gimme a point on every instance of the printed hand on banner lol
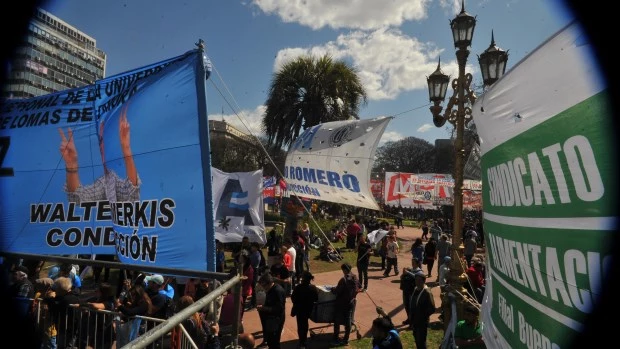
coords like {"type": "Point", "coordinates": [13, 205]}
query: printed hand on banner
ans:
{"type": "Point", "coordinates": [123, 131]}
{"type": "Point", "coordinates": [67, 149]}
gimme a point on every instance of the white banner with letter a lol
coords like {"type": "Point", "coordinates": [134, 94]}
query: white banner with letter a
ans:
{"type": "Point", "coordinates": [332, 162]}
{"type": "Point", "coordinates": [238, 202]}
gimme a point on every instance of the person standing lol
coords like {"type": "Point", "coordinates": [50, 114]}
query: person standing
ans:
{"type": "Point", "coordinates": [424, 230]}
{"type": "Point", "coordinates": [470, 249]}
{"type": "Point", "coordinates": [421, 307]}
{"type": "Point", "coordinates": [407, 284]}
{"type": "Point", "coordinates": [436, 230]}
{"type": "Point", "coordinates": [444, 248]}
{"type": "Point", "coordinates": [392, 256]}
{"type": "Point", "coordinates": [364, 251]}
{"type": "Point", "coordinates": [21, 286]}
{"type": "Point", "coordinates": [468, 332]}
{"type": "Point", "coordinates": [247, 285]}
{"type": "Point", "coordinates": [274, 243]}
{"type": "Point", "coordinates": [346, 292]}
{"type": "Point", "coordinates": [256, 260]}
{"type": "Point", "coordinates": [272, 311]}
{"type": "Point", "coordinates": [417, 250]}
{"type": "Point", "coordinates": [444, 268]}
{"type": "Point", "coordinates": [220, 266]}
{"type": "Point", "coordinates": [353, 229]}
{"type": "Point", "coordinates": [304, 296]}
{"type": "Point", "coordinates": [292, 253]}
{"type": "Point", "coordinates": [280, 274]}
{"type": "Point", "coordinates": [306, 235]}
{"type": "Point", "coordinates": [430, 253]}
{"type": "Point", "coordinates": [477, 283]}
{"type": "Point", "coordinates": [300, 255]}
{"type": "Point", "coordinates": [59, 300]}
{"type": "Point", "coordinates": [399, 220]}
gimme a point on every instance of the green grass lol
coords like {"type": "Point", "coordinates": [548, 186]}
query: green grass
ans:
{"type": "Point", "coordinates": [319, 266]}
{"type": "Point", "coordinates": [433, 340]}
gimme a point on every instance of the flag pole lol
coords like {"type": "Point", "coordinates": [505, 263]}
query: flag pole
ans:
{"type": "Point", "coordinates": [203, 73]}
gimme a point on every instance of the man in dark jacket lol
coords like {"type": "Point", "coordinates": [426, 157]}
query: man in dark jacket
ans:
{"type": "Point", "coordinates": [304, 296]}
{"type": "Point", "coordinates": [272, 312]}
{"type": "Point", "coordinates": [407, 284]}
{"type": "Point", "coordinates": [346, 291]}
{"type": "Point", "coordinates": [421, 307]}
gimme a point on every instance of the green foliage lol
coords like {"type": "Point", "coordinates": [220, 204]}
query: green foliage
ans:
{"type": "Point", "coordinates": [272, 217]}
{"type": "Point", "coordinates": [308, 91]}
{"type": "Point", "coordinates": [324, 225]}
{"type": "Point", "coordinates": [433, 340]}
{"type": "Point", "coordinates": [420, 156]}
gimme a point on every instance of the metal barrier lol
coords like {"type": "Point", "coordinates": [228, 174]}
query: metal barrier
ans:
{"type": "Point", "coordinates": [84, 327]}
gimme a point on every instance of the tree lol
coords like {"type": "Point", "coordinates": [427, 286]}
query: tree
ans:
{"type": "Point", "coordinates": [307, 92]}
{"type": "Point", "coordinates": [411, 154]}
{"type": "Point", "coordinates": [230, 155]}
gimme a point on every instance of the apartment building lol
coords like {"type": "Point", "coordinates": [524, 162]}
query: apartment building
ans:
{"type": "Point", "coordinates": [54, 56]}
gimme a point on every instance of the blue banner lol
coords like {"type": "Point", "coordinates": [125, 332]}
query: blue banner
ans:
{"type": "Point", "coordinates": [117, 167]}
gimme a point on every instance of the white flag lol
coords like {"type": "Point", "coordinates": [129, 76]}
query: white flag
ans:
{"type": "Point", "coordinates": [332, 162]}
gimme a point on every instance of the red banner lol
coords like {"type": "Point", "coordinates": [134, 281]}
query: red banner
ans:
{"type": "Point", "coordinates": [269, 192]}
{"type": "Point", "coordinates": [376, 187]}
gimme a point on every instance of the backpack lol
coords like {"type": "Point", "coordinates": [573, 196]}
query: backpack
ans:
{"type": "Point", "coordinates": [169, 305]}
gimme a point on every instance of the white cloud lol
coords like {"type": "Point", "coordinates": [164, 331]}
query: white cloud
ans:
{"type": "Point", "coordinates": [247, 121]}
{"type": "Point", "coordinates": [357, 14]}
{"type": "Point", "coordinates": [451, 7]}
{"type": "Point", "coordinates": [388, 61]}
{"type": "Point", "coordinates": [425, 128]}
{"type": "Point", "coordinates": [390, 136]}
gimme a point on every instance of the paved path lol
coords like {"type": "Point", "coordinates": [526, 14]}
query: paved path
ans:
{"type": "Point", "coordinates": [384, 292]}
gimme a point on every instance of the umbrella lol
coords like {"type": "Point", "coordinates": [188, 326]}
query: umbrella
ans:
{"type": "Point", "coordinates": [376, 235]}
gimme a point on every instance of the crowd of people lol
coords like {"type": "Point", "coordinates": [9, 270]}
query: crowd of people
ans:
{"type": "Point", "coordinates": [283, 274]}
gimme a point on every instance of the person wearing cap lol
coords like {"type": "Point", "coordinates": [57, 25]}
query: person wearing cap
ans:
{"type": "Point", "coordinates": [155, 288]}
{"type": "Point", "coordinates": [421, 307]}
{"type": "Point", "coordinates": [304, 296]}
{"type": "Point", "coordinates": [21, 287]}
{"type": "Point", "coordinates": [468, 332]}
{"type": "Point", "coordinates": [407, 284]}
{"type": "Point", "coordinates": [346, 292]}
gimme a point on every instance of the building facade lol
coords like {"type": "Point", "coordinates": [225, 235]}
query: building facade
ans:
{"type": "Point", "coordinates": [55, 56]}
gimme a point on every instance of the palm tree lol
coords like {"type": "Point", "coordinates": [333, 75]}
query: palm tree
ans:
{"type": "Point", "coordinates": [309, 91]}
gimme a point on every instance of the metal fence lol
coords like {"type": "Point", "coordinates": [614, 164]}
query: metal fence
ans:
{"type": "Point", "coordinates": [75, 326]}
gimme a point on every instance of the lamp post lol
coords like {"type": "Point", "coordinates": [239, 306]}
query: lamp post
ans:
{"type": "Point", "coordinates": [458, 113]}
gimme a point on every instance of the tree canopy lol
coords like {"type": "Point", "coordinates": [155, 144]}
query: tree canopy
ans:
{"type": "Point", "coordinates": [309, 91]}
{"type": "Point", "coordinates": [411, 154]}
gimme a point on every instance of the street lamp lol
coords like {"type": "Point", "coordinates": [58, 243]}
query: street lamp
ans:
{"type": "Point", "coordinates": [458, 113]}
{"type": "Point", "coordinates": [492, 62]}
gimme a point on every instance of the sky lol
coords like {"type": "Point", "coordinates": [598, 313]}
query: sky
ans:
{"type": "Point", "coordinates": [393, 44]}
